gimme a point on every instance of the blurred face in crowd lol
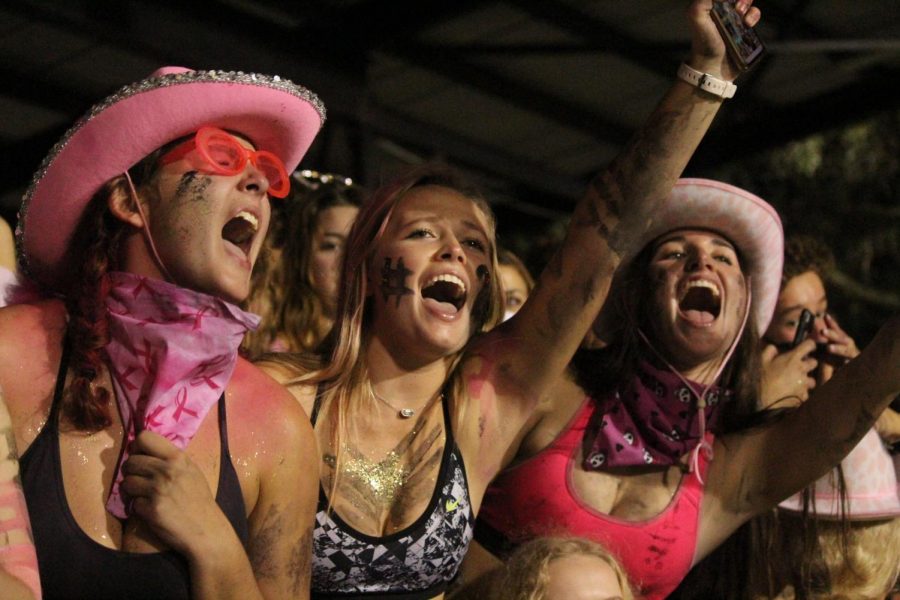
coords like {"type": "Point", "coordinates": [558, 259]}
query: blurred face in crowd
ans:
{"type": "Point", "coordinates": [329, 238]}
{"type": "Point", "coordinates": [515, 290]}
{"type": "Point", "coordinates": [582, 577]}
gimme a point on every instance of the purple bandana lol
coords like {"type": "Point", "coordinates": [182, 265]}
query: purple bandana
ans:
{"type": "Point", "coordinates": [651, 420]}
{"type": "Point", "coordinates": [171, 353]}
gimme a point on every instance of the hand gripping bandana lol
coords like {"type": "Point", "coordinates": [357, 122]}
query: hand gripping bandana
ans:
{"type": "Point", "coordinates": [652, 419]}
{"type": "Point", "coordinates": [171, 353]}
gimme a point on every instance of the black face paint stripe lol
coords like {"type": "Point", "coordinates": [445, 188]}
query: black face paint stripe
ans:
{"type": "Point", "coordinates": [393, 279]}
{"type": "Point", "coordinates": [483, 272]}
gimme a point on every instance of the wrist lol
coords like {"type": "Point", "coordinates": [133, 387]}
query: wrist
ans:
{"type": "Point", "coordinates": [707, 82]}
{"type": "Point", "coordinates": [212, 543]}
{"type": "Point", "coordinates": [707, 64]}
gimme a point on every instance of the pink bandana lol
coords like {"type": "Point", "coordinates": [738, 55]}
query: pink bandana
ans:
{"type": "Point", "coordinates": [651, 420]}
{"type": "Point", "coordinates": [171, 353]}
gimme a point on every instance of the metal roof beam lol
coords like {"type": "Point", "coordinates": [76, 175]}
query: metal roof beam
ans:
{"type": "Point", "coordinates": [514, 92]}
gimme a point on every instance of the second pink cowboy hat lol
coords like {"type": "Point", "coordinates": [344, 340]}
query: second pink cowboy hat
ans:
{"type": "Point", "coordinates": [872, 490]}
{"type": "Point", "coordinates": [274, 113]}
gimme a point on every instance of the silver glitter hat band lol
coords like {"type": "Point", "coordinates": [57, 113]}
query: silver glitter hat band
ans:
{"type": "Point", "coordinates": [118, 132]}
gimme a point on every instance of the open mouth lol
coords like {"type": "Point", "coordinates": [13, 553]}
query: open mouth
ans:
{"type": "Point", "coordinates": [700, 301]}
{"type": "Point", "coordinates": [448, 291]}
{"type": "Point", "coordinates": [240, 230]}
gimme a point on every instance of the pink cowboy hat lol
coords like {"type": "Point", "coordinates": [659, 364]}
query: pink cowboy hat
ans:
{"type": "Point", "coordinates": [870, 476]}
{"type": "Point", "coordinates": [274, 113]}
{"type": "Point", "coordinates": [743, 218]}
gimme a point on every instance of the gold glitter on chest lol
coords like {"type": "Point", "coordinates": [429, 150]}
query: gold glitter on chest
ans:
{"type": "Point", "coordinates": [373, 486]}
{"type": "Point", "coordinates": [382, 479]}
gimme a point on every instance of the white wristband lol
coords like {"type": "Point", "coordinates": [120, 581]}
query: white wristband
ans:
{"type": "Point", "coordinates": [706, 82]}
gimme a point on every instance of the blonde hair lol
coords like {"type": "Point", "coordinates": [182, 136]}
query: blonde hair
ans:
{"type": "Point", "coordinates": [866, 566]}
{"type": "Point", "coordinates": [526, 575]}
{"type": "Point", "coordinates": [344, 373]}
{"type": "Point", "coordinates": [871, 563]}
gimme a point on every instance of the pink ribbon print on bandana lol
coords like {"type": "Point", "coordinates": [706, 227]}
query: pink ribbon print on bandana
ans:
{"type": "Point", "coordinates": [171, 353]}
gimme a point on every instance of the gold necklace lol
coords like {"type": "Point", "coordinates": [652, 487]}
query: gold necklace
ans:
{"type": "Point", "coordinates": [403, 413]}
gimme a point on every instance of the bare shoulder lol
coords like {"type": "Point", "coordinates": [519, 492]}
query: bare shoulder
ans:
{"type": "Point", "coordinates": [31, 328]}
{"type": "Point", "coordinates": [280, 371]}
{"type": "Point", "coordinates": [31, 337]}
{"type": "Point", "coordinates": [285, 373]}
{"type": "Point", "coordinates": [259, 403]}
{"type": "Point", "coordinates": [270, 436]}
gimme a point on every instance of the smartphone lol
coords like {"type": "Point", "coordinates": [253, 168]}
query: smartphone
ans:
{"type": "Point", "coordinates": [804, 326]}
{"type": "Point", "coordinates": [744, 46]}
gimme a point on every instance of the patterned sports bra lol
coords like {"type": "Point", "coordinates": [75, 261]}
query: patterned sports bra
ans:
{"type": "Point", "coordinates": [417, 562]}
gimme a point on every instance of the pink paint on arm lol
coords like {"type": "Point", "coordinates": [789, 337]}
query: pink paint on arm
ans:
{"type": "Point", "coordinates": [481, 390]}
{"type": "Point", "coordinates": [475, 382]}
{"type": "Point", "coordinates": [17, 555]}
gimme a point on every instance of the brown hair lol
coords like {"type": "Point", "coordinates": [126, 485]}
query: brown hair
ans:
{"type": "Point", "coordinates": [753, 560]}
{"type": "Point", "coordinates": [804, 253]}
{"type": "Point", "coordinates": [598, 371]}
{"type": "Point", "coordinates": [97, 242]}
{"type": "Point", "coordinates": [526, 576]}
{"type": "Point", "coordinates": [726, 572]}
{"type": "Point", "coordinates": [282, 292]}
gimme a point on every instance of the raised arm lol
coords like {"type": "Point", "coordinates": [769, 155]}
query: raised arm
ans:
{"type": "Point", "coordinates": [535, 346]}
{"type": "Point", "coordinates": [18, 560]}
{"type": "Point", "coordinates": [758, 468]}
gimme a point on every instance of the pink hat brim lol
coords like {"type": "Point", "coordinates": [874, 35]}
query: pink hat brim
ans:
{"type": "Point", "coordinates": [748, 221]}
{"type": "Point", "coordinates": [870, 476]}
{"type": "Point", "coordinates": [273, 113]}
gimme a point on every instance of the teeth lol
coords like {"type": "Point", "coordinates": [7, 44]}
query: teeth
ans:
{"type": "Point", "coordinates": [449, 279]}
{"type": "Point", "coordinates": [250, 218]}
{"type": "Point", "coordinates": [701, 283]}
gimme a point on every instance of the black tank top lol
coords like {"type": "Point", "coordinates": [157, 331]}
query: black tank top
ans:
{"type": "Point", "coordinates": [71, 564]}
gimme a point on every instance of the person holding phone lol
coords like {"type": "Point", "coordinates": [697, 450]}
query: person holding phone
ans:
{"type": "Point", "coordinates": [803, 353]}
{"type": "Point", "coordinates": [855, 547]}
{"type": "Point", "coordinates": [790, 369]}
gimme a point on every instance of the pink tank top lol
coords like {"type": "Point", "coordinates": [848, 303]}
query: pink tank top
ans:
{"type": "Point", "coordinates": [536, 498]}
